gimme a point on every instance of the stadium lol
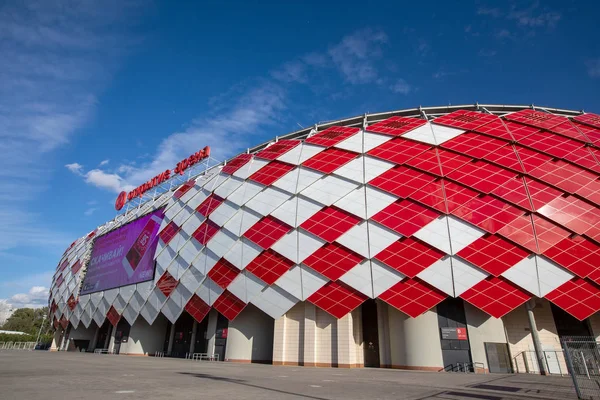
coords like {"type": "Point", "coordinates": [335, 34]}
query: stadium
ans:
{"type": "Point", "coordinates": [431, 238]}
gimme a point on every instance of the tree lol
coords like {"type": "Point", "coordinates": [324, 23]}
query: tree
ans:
{"type": "Point", "coordinates": [28, 320]}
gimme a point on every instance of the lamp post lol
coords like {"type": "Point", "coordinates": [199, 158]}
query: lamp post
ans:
{"type": "Point", "coordinates": [37, 341]}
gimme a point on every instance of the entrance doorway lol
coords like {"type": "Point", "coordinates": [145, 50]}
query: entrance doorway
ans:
{"type": "Point", "coordinates": [370, 334]}
{"type": "Point", "coordinates": [103, 334]}
{"type": "Point", "coordinates": [183, 335]}
{"type": "Point", "coordinates": [221, 337]}
{"type": "Point", "coordinates": [452, 321]}
{"type": "Point", "coordinates": [121, 334]}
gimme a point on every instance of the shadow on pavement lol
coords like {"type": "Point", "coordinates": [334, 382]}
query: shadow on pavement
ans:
{"type": "Point", "coordinates": [244, 383]}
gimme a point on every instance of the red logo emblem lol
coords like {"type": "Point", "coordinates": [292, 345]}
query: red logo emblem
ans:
{"type": "Point", "coordinates": [121, 200]}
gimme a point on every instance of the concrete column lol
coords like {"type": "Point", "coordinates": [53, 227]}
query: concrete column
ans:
{"type": "Point", "coordinates": [171, 339]}
{"type": "Point", "coordinates": [348, 340]}
{"type": "Point", "coordinates": [64, 341]}
{"type": "Point", "coordinates": [108, 335]}
{"type": "Point", "coordinates": [537, 344]}
{"type": "Point", "coordinates": [193, 340]}
{"type": "Point", "coordinates": [415, 342]}
{"type": "Point", "coordinates": [310, 334]}
{"type": "Point", "coordinates": [211, 330]}
{"type": "Point", "coordinates": [55, 346]}
{"type": "Point", "coordinates": [279, 341]}
{"type": "Point", "coordinates": [94, 339]}
{"type": "Point", "coordinates": [383, 330]}
{"type": "Point", "coordinates": [113, 338]}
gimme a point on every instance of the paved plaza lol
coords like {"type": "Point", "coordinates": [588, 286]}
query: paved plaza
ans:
{"type": "Point", "coordinates": [44, 375]}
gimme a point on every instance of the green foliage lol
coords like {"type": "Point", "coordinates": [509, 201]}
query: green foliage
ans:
{"type": "Point", "coordinates": [28, 320]}
{"type": "Point", "coordinates": [45, 339]}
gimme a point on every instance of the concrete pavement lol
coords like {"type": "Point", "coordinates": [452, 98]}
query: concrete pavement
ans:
{"type": "Point", "coordinates": [44, 375]}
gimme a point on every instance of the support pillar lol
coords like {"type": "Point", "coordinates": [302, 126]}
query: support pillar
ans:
{"type": "Point", "coordinates": [279, 341]}
{"type": "Point", "coordinates": [310, 334]}
{"type": "Point", "coordinates": [94, 339]}
{"type": "Point", "coordinates": [211, 330]}
{"type": "Point", "coordinates": [383, 330]}
{"type": "Point", "coordinates": [63, 346]}
{"type": "Point", "coordinates": [193, 339]}
{"type": "Point", "coordinates": [537, 344]}
{"type": "Point", "coordinates": [108, 335]}
{"type": "Point", "coordinates": [171, 340]}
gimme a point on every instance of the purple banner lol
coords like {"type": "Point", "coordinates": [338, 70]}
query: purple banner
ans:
{"type": "Point", "coordinates": [125, 256]}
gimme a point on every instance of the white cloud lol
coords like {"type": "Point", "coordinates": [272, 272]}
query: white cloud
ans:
{"type": "Point", "coordinates": [530, 18]}
{"type": "Point", "coordinates": [36, 297]}
{"type": "Point", "coordinates": [494, 12]}
{"type": "Point", "coordinates": [89, 211]}
{"type": "Point", "coordinates": [593, 68]}
{"type": "Point", "coordinates": [56, 58]}
{"type": "Point", "coordinates": [401, 86]}
{"type": "Point", "coordinates": [75, 168]}
{"type": "Point", "coordinates": [294, 71]}
{"type": "Point", "coordinates": [354, 55]}
{"type": "Point", "coordinates": [104, 162]}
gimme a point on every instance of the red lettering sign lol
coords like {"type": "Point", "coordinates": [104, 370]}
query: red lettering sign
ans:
{"type": "Point", "coordinates": [180, 168]}
{"type": "Point", "coordinates": [461, 333]}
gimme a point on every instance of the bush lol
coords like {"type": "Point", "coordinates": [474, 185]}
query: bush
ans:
{"type": "Point", "coordinates": [7, 337]}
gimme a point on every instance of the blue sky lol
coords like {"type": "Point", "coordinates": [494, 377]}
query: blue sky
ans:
{"type": "Point", "coordinates": [94, 100]}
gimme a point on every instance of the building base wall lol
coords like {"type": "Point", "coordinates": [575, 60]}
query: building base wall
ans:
{"type": "Point", "coordinates": [250, 337]}
{"type": "Point", "coordinates": [145, 339]}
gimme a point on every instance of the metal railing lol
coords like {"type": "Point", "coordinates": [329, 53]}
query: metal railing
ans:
{"type": "Point", "coordinates": [17, 345]}
{"type": "Point", "coordinates": [466, 367]}
{"type": "Point", "coordinates": [583, 360]}
{"type": "Point", "coordinates": [159, 354]}
{"type": "Point", "coordinates": [527, 362]}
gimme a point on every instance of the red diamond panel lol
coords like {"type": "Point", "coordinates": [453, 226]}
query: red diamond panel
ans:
{"type": "Point", "coordinates": [269, 266]}
{"type": "Point", "coordinates": [493, 254]}
{"type": "Point", "coordinates": [589, 119]}
{"type": "Point", "coordinates": [540, 193]}
{"type": "Point", "coordinates": [396, 126]}
{"type": "Point", "coordinates": [593, 134]}
{"type": "Point", "coordinates": [496, 296]}
{"type": "Point", "coordinates": [547, 233]}
{"type": "Point", "coordinates": [438, 161]}
{"type": "Point", "coordinates": [433, 195]}
{"type": "Point", "coordinates": [333, 260]}
{"type": "Point", "coordinates": [60, 280]}
{"type": "Point", "coordinates": [412, 296]}
{"type": "Point", "coordinates": [575, 214]}
{"type": "Point", "coordinates": [267, 231]}
{"type": "Point", "coordinates": [488, 213]}
{"type": "Point", "coordinates": [587, 157]}
{"type": "Point", "coordinates": [277, 149]}
{"type": "Point", "coordinates": [538, 119]}
{"type": "Point", "coordinates": [591, 192]}
{"type": "Point", "coordinates": [520, 231]}
{"type": "Point", "coordinates": [474, 144]}
{"type": "Point", "coordinates": [229, 305]}
{"type": "Point", "coordinates": [197, 308]}
{"type": "Point", "coordinates": [209, 204]}
{"type": "Point", "coordinates": [72, 303]}
{"type": "Point", "coordinates": [337, 299]}
{"type": "Point", "coordinates": [564, 175]}
{"type": "Point", "coordinates": [409, 256]}
{"type": "Point", "coordinates": [205, 232]}
{"type": "Point", "coordinates": [329, 160]}
{"type": "Point", "coordinates": [572, 130]}
{"type": "Point", "coordinates": [168, 232]}
{"type": "Point", "coordinates": [506, 130]}
{"type": "Point", "coordinates": [76, 267]}
{"type": "Point", "coordinates": [236, 163]}
{"type": "Point", "coordinates": [578, 297]}
{"type": "Point", "coordinates": [64, 265]}
{"type": "Point", "coordinates": [578, 255]}
{"type": "Point", "coordinates": [555, 145]}
{"type": "Point", "coordinates": [402, 181]}
{"type": "Point", "coordinates": [330, 223]}
{"type": "Point", "coordinates": [64, 322]}
{"type": "Point", "coordinates": [183, 189]}
{"type": "Point", "coordinates": [480, 175]}
{"type": "Point", "coordinates": [271, 172]}
{"type": "Point", "coordinates": [405, 217]}
{"type": "Point", "coordinates": [398, 150]}
{"type": "Point", "coordinates": [223, 273]}
{"type": "Point", "coordinates": [465, 120]}
{"type": "Point", "coordinates": [520, 159]}
{"type": "Point", "coordinates": [332, 136]}
{"type": "Point", "coordinates": [113, 316]}
{"type": "Point", "coordinates": [166, 284]}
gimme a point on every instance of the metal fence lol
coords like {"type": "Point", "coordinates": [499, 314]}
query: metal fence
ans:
{"type": "Point", "coordinates": [17, 345]}
{"type": "Point", "coordinates": [583, 360]}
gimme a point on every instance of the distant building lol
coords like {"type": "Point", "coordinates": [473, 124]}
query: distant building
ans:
{"type": "Point", "coordinates": [13, 332]}
{"type": "Point", "coordinates": [6, 310]}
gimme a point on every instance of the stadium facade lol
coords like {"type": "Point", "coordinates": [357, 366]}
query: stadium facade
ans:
{"type": "Point", "coordinates": [419, 239]}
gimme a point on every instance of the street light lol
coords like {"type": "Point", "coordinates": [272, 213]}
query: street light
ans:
{"type": "Point", "coordinates": [37, 341]}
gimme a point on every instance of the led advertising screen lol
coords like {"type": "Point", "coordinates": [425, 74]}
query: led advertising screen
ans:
{"type": "Point", "coordinates": [124, 256]}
